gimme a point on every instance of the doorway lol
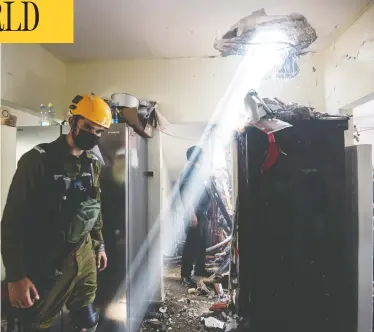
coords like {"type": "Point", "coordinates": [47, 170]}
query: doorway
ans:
{"type": "Point", "coordinates": [217, 165]}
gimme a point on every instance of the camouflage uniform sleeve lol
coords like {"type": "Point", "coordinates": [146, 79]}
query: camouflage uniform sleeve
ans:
{"type": "Point", "coordinates": [25, 184]}
{"type": "Point", "coordinates": [96, 233]}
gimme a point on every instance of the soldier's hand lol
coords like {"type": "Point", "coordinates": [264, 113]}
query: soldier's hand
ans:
{"type": "Point", "coordinates": [22, 293]}
{"type": "Point", "coordinates": [101, 260]}
{"type": "Point", "coordinates": [193, 221]}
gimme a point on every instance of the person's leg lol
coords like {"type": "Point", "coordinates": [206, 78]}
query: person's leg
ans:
{"type": "Point", "coordinates": [188, 258]}
{"type": "Point", "coordinates": [41, 316]}
{"type": "Point", "coordinates": [201, 248]}
{"type": "Point", "coordinates": [82, 312]}
{"type": "Point", "coordinates": [85, 319]}
{"type": "Point", "coordinates": [189, 252]}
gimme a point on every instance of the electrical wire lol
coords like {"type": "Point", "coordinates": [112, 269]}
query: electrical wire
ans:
{"type": "Point", "coordinates": [365, 129]}
{"type": "Point", "coordinates": [178, 137]}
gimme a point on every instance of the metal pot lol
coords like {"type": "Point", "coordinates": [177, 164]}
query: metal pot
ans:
{"type": "Point", "coordinates": [125, 100]}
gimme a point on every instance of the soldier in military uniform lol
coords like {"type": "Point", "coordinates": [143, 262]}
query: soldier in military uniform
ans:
{"type": "Point", "coordinates": [51, 231]}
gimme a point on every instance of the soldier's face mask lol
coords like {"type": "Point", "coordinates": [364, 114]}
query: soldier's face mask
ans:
{"type": "Point", "coordinates": [85, 140]}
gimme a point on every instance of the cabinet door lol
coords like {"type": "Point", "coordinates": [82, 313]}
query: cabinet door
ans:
{"type": "Point", "coordinates": [139, 278]}
{"type": "Point", "coordinates": [296, 241]}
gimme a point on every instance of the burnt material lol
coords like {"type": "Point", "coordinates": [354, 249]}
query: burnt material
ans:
{"type": "Point", "coordinates": [295, 242]}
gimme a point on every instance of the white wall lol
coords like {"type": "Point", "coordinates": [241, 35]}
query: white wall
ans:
{"type": "Point", "coordinates": [349, 65]}
{"type": "Point", "coordinates": [7, 168]}
{"type": "Point", "coordinates": [31, 76]}
{"type": "Point", "coordinates": [363, 118]}
{"type": "Point", "coordinates": [187, 89]}
{"type": "Point", "coordinates": [8, 161]}
{"type": "Point", "coordinates": [165, 178]}
{"type": "Point", "coordinates": [176, 139]}
{"type": "Point", "coordinates": [25, 119]}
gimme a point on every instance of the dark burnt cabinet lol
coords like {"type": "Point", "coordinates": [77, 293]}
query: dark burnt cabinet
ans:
{"type": "Point", "coordinates": [297, 247]}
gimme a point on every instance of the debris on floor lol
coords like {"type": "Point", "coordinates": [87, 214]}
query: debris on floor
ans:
{"type": "Point", "coordinates": [192, 291]}
{"type": "Point", "coordinates": [155, 323]}
{"type": "Point", "coordinates": [218, 306]}
{"type": "Point", "coordinates": [231, 324]}
{"type": "Point", "coordinates": [163, 310]}
{"type": "Point", "coordinates": [219, 290]}
{"type": "Point", "coordinates": [156, 315]}
{"type": "Point", "coordinates": [202, 288]}
{"type": "Point", "coordinates": [213, 323]}
{"type": "Point", "coordinates": [190, 310]}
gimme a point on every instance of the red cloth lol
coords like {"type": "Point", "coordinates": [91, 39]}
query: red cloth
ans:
{"type": "Point", "coordinates": [272, 154]}
{"type": "Point", "coordinates": [218, 306]}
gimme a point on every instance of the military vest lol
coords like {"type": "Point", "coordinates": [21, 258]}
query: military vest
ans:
{"type": "Point", "coordinates": [72, 194]}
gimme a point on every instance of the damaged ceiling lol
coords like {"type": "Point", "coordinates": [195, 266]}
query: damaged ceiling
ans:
{"type": "Point", "coordinates": [118, 29]}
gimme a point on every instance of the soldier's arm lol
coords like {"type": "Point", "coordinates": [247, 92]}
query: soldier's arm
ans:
{"type": "Point", "coordinates": [23, 188]}
{"type": "Point", "coordinates": [96, 233]}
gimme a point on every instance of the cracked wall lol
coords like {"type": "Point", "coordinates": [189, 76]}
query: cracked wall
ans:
{"type": "Point", "coordinates": [189, 89]}
{"type": "Point", "coordinates": [349, 64]}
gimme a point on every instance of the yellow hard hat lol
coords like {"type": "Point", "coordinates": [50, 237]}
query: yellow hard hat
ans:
{"type": "Point", "coordinates": [92, 108]}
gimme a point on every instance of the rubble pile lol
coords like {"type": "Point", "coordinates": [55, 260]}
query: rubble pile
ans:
{"type": "Point", "coordinates": [206, 308]}
{"type": "Point", "coordinates": [294, 111]}
{"type": "Point", "coordinates": [176, 314]}
{"type": "Point", "coordinates": [185, 314]}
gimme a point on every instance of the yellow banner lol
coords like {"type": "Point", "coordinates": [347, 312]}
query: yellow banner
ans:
{"type": "Point", "coordinates": [37, 21]}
